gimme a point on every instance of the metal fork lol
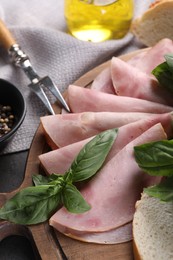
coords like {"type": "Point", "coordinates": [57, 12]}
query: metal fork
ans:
{"type": "Point", "coordinates": [21, 60]}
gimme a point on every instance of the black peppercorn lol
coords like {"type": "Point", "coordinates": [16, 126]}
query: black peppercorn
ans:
{"type": "Point", "coordinates": [6, 119]}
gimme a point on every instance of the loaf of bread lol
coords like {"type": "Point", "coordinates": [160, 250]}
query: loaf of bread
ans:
{"type": "Point", "coordinates": [153, 229]}
{"type": "Point", "coordinates": [155, 24]}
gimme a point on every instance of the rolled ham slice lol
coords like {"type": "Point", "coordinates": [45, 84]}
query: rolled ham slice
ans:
{"type": "Point", "coordinates": [82, 100]}
{"type": "Point", "coordinates": [63, 129]}
{"type": "Point", "coordinates": [131, 82]}
{"type": "Point", "coordinates": [112, 193]}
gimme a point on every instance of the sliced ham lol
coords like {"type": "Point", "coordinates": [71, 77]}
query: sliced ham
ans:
{"type": "Point", "coordinates": [82, 100]}
{"type": "Point", "coordinates": [153, 57]}
{"type": "Point", "coordinates": [63, 129]}
{"type": "Point", "coordinates": [103, 82]}
{"type": "Point", "coordinates": [112, 193]}
{"type": "Point", "coordinates": [114, 236]}
{"type": "Point", "coordinates": [131, 82]}
{"type": "Point", "coordinates": [59, 160]}
{"type": "Point", "coordinates": [144, 61]}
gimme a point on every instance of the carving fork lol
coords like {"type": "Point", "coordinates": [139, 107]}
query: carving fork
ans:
{"type": "Point", "coordinates": [21, 60]}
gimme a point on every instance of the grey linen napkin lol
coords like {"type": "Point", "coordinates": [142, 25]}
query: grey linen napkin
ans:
{"type": "Point", "coordinates": [39, 28]}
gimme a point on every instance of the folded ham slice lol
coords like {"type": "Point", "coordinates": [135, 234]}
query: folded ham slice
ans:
{"type": "Point", "coordinates": [59, 160]}
{"type": "Point", "coordinates": [82, 100]}
{"type": "Point", "coordinates": [103, 82]}
{"type": "Point", "coordinates": [114, 236]}
{"type": "Point", "coordinates": [63, 129]}
{"type": "Point", "coordinates": [112, 193]}
{"type": "Point", "coordinates": [148, 60]}
{"type": "Point", "coordinates": [145, 61]}
{"type": "Point", "coordinates": [137, 84]}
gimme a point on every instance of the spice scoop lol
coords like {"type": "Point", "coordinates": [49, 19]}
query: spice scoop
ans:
{"type": "Point", "coordinates": [20, 59]}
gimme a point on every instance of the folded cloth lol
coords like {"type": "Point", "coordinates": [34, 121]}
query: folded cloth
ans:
{"type": "Point", "coordinates": [39, 28]}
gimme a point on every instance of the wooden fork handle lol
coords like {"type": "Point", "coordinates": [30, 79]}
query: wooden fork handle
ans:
{"type": "Point", "coordinates": [6, 38]}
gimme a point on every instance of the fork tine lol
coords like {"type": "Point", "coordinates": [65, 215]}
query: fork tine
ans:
{"type": "Point", "coordinates": [48, 83]}
{"type": "Point", "coordinates": [41, 94]}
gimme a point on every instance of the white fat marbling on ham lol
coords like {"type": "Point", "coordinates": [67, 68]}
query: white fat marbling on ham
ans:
{"type": "Point", "coordinates": [63, 129]}
{"type": "Point", "coordinates": [59, 160]}
{"type": "Point", "coordinates": [131, 82]}
{"type": "Point", "coordinates": [82, 100]}
{"type": "Point", "coordinates": [112, 193]}
{"type": "Point", "coordinates": [154, 56]}
{"type": "Point", "coordinates": [103, 82]}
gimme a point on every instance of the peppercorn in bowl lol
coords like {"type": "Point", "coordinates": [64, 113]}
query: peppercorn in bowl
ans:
{"type": "Point", "coordinates": [12, 111]}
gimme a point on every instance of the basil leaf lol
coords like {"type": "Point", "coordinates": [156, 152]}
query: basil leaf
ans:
{"type": "Point", "coordinates": [32, 205]}
{"type": "Point", "coordinates": [164, 75]}
{"type": "Point", "coordinates": [92, 156]}
{"type": "Point", "coordinates": [73, 200]}
{"type": "Point", "coordinates": [68, 176]}
{"type": "Point", "coordinates": [164, 72]}
{"type": "Point", "coordinates": [163, 191]}
{"type": "Point", "coordinates": [36, 204]}
{"type": "Point", "coordinates": [39, 179]}
{"type": "Point", "coordinates": [155, 158]}
{"type": "Point", "coordinates": [169, 61]}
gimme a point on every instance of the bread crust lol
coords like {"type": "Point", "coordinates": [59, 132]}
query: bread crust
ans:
{"type": "Point", "coordinates": [135, 251]}
{"type": "Point", "coordinates": [152, 229]}
{"type": "Point", "coordinates": [155, 24]}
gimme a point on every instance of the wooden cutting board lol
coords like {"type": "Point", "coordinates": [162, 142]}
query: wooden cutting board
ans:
{"type": "Point", "coordinates": [48, 243]}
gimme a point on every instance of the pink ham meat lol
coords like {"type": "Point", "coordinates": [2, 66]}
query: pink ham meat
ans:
{"type": "Point", "coordinates": [130, 81]}
{"type": "Point", "coordinates": [144, 61]}
{"type": "Point", "coordinates": [63, 129]}
{"type": "Point", "coordinates": [82, 100]}
{"type": "Point", "coordinates": [153, 57]}
{"type": "Point", "coordinates": [114, 236]}
{"type": "Point", "coordinates": [103, 82]}
{"type": "Point", "coordinates": [121, 185]}
{"type": "Point", "coordinates": [59, 160]}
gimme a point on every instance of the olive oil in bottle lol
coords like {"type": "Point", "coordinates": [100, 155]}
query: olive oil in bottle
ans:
{"type": "Point", "coordinates": [98, 20]}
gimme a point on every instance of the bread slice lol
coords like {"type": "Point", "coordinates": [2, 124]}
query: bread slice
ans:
{"type": "Point", "coordinates": [155, 24]}
{"type": "Point", "coordinates": [153, 229]}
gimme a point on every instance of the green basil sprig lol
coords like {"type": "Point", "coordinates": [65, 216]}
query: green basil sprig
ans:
{"type": "Point", "coordinates": [164, 72]}
{"type": "Point", "coordinates": [163, 191]}
{"type": "Point", "coordinates": [156, 159]}
{"type": "Point", "coordinates": [36, 204]}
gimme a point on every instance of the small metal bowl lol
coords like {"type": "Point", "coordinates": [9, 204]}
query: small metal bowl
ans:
{"type": "Point", "coordinates": [10, 95]}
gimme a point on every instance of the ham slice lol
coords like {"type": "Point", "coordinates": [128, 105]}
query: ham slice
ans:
{"type": "Point", "coordinates": [145, 61]}
{"type": "Point", "coordinates": [59, 160]}
{"type": "Point", "coordinates": [120, 182]}
{"type": "Point", "coordinates": [103, 82]}
{"type": "Point", "coordinates": [130, 81]}
{"type": "Point", "coordinates": [82, 100]}
{"type": "Point", "coordinates": [153, 57]}
{"type": "Point", "coordinates": [63, 129]}
{"type": "Point", "coordinates": [115, 236]}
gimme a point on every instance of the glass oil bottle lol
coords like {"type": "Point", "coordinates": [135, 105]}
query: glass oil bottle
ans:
{"type": "Point", "coordinates": [98, 20]}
